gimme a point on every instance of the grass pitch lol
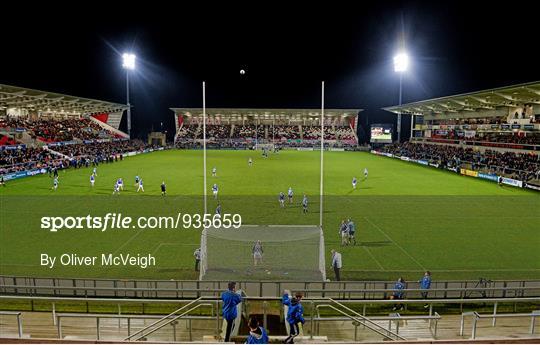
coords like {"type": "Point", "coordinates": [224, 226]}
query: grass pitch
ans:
{"type": "Point", "coordinates": [409, 218]}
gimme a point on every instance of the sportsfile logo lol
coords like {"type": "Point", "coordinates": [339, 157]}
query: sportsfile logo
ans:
{"type": "Point", "coordinates": [114, 221]}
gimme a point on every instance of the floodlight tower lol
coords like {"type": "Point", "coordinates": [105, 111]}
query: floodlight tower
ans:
{"type": "Point", "coordinates": [401, 63]}
{"type": "Point", "coordinates": [128, 62]}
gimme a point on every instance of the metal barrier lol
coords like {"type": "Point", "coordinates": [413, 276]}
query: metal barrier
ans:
{"type": "Point", "coordinates": [394, 317]}
{"type": "Point", "coordinates": [98, 317]}
{"type": "Point", "coordinates": [351, 293]}
{"type": "Point", "coordinates": [190, 289]}
{"type": "Point", "coordinates": [494, 316]}
{"type": "Point", "coordinates": [349, 313]}
{"type": "Point", "coordinates": [19, 321]}
{"type": "Point", "coordinates": [360, 319]}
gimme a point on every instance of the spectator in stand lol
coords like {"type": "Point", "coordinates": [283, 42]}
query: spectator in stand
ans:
{"type": "Point", "coordinates": [398, 293]}
{"type": "Point", "coordinates": [230, 300]}
{"type": "Point", "coordinates": [257, 334]}
{"type": "Point", "coordinates": [425, 285]}
{"type": "Point", "coordinates": [295, 314]}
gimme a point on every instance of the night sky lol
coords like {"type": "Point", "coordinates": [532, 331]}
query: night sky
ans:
{"type": "Point", "coordinates": [287, 51]}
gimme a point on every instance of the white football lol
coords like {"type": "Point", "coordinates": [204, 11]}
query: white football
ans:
{"type": "Point", "coordinates": [242, 72]}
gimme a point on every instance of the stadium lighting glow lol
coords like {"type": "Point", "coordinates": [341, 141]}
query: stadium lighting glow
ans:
{"type": "Point", "coordinates": [401, 62]}
{"type": "Point", "coordinates": [128, 61]}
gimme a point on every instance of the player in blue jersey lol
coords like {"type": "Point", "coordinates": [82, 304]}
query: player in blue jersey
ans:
{"type": "Point", "coordinates": [354, 182]}
{"type": "Point", "coordinates": [120, 183]}
{"type": "Point", "coordinates": [141, 187]}
{"type": "Point", "coordinates": [344, 233]}
{"type": "Point", "coordinates": [116, 189]}
{"type": "Point", "coordinates": [218, 210]}
{"type": "Point", "coordinates": [215, 190]}
{"type": "Point", "coordinates": [365, 173]}
{"type": "Point", "coordinates": [281, 199]}
{"type": "Point", "coordinates": [92, 180]}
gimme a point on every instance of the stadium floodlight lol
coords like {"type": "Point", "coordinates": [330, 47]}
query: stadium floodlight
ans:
{"type": "Point", "coordinates": [128, 61]}
{"type": "Point", "coordinates": [401, 62]}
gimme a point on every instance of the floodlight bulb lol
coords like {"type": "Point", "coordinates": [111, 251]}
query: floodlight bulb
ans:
{"type": "Point", "coordinates": [128, 61]}
{"type": "Point", "coordinates": [401, 62]}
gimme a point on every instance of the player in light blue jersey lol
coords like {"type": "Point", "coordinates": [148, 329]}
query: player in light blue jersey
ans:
{"type": "Point", "coordinates": [55, 184]}
{"type": "Point", "coordinates": [365, 173]}
{"type": "Point", "coordinates": [214, 172]}
{"type": "Point", "coordinates": [94, 171]}
{"type": "Point", "coordinates": [351, 227]}
{"type": "Point", "coordinates": [290, 195]}
{"type": "Point", "coordinates": [137, 178]}
{"type": "Point", "coordinates": [218, 210]}
{"type": "Point", "coordinates": [250, 161]}
{"type": "Point", "coordinates": [215, 190]}
{"type": "Point", "coordinates": [305, 204]}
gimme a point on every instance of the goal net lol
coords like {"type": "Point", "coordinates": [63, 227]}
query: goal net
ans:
{"type": "Point", "coordinates": [288, 253]}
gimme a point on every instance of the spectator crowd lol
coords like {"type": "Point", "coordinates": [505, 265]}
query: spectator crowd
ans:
{"type": "Point", "coordinates": [520, 166]}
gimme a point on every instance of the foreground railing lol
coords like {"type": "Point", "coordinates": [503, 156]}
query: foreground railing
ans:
{"type": "Point", "coordinates": [533, 315]}
{"type": "Point", "coordinates": [19, 321]}
{"type": "Point", "coordinates": [311, 305]}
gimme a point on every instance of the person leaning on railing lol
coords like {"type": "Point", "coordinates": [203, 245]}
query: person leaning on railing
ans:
{"type": "Point", "coordinates": [230, 300]}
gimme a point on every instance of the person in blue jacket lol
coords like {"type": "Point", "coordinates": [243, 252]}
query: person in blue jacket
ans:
{"type": "Point", "coordinates": [425, 284]}
{"type": "Point", "coordinates": [257, 334]}
{"type": "Point", "coordinates": [398, 293]}
{"type": "Point", "coordinates": [230, 300]}
{"type": "Point", "coordinates": [295, 315]}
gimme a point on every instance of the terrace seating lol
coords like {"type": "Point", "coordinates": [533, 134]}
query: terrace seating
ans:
{"type": "Point", "coordinates": [50, 130]}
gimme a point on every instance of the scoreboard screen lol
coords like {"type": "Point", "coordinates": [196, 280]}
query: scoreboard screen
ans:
{"type": "Point", "coordinates": [381, 133]}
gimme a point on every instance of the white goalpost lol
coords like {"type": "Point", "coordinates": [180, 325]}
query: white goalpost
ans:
{"type": "Point", "coordinates": [290, 252]}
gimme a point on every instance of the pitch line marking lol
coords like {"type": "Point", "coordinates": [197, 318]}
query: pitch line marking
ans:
{"type": "Point", "coordinates": [163, 244]}
{"type": "Point", "coordinates": [374, 259]}
{"type": "Point", "coordinates": [397, 245]}
{"type": "Point", "coordinates": [128, 241]}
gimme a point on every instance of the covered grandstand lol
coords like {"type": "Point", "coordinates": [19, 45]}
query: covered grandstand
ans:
{"type": "Point", "coordinates": [492, 134]}
{"type": "Point", "coordinates": [40, 131]}
{"type": "Point", "coordinates": [242, 128]}
{"type": "Point", "coordinates": [507, 117]}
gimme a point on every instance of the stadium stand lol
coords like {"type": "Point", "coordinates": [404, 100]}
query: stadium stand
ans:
{"type": "Point", "coordinates": [58, 130]}
{"type": "Point", "coordinates": [245, 128]}
{"type": "Point", "coordinates": [492, 134]}
{"type": "Point", "coordinates": [40, 131]}
{"type": "Point", "coordinates": [506, 117]}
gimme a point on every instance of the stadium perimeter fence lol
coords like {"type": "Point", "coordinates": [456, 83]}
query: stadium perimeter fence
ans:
{"type": "Point", "coordinates": [186, 289]}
